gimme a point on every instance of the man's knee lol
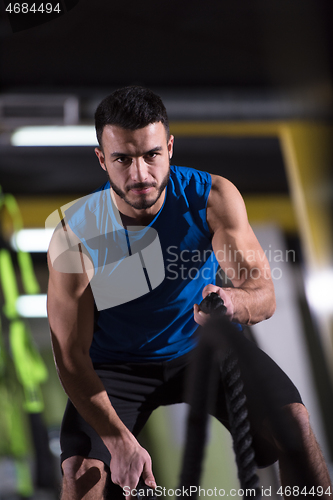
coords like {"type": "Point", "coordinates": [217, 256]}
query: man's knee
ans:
{"type": "Point", "coordinates": [292, 428]}
{"type": "Point", "coordinates": [82, 477]}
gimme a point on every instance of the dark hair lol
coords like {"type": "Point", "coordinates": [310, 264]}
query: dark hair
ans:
{"type": "Point", "coordinates": [131, 108]}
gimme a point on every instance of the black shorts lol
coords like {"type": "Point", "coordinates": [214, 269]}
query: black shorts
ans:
{"type": "Point", "coordinates": [137, 389]}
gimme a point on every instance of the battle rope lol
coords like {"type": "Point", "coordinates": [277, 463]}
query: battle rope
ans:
{"type": "Point", "coordinates": [204, 377]}
{"type": "Point", "coordinates": [212, 342]}
{"type": "Point", "coordinates": [239, 424]}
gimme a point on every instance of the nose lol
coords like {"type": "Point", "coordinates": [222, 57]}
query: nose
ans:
{"type": "Point", "coordinates": [139, 170]}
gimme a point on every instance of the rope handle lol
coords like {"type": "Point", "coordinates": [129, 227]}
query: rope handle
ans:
{"type": "Point", "coordinates": [213, 304]}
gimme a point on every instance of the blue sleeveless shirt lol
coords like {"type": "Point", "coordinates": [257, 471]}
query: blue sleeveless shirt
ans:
{"type": "Point", "coordinates": [155, 323]}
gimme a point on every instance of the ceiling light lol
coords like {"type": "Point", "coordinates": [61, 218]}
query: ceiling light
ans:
{"type": "Point", "coordinates": [81, 135]}
{"type": "Point", "coordinates": [32, 240]}
{"type": "Point", "coordinates": [32, 306]}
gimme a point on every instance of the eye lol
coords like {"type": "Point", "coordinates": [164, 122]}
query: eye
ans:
{"type": "Point", "coordinates": [151, 155]}
{"type": "Point", "coordinates": [123, 160]}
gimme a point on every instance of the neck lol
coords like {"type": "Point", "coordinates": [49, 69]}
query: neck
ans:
{"type": "Point", "coordinates": [131, 216]}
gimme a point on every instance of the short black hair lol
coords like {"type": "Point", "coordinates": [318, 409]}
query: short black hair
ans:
{"type": "Point", "coordinates": [131, 108]}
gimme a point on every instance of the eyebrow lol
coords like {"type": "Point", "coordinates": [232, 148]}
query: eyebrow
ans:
{"type": "Point", "coordinates": [116, 153]}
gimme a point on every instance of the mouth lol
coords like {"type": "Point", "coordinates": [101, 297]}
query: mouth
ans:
{"type": "Point", "coordinates": [141, 190]}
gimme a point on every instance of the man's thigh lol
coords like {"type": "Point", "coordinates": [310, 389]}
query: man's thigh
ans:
{"type": "Point", "coordinates": [135, 390]}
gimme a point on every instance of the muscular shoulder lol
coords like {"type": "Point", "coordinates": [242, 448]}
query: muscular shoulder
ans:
{"type": "Point", "coordinates": [225, 207]}
{"type": "Point", "coordinates": [68, 262]}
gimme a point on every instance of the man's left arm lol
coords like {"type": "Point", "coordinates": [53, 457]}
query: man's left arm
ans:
{"type": "Point", "coordinates": [240, 256]}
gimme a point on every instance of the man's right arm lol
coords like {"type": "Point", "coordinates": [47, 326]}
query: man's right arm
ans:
{"type": "Point", "coordinates": [71, 315]}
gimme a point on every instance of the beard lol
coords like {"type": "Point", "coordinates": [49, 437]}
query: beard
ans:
{"type": "Point", "coordinates": [143, 202]}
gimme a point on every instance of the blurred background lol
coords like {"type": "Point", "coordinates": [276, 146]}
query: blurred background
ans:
{"type": "Point", "coordinates": [248, 89]}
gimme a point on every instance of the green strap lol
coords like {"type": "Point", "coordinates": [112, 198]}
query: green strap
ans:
{"type": "Point", "coordinates": [29, 281]}
{"type": "Point", "coordinates": [2, 354]}
{"type": "Point", "coordinates": [8, 282]}
{"type": "Point", "coordinates": [29, 365]}
{"type": "Point", "coordinates": [10, 203]}
{"type": "Point", "coordinates": [30, 368]}
{"type": "Point", "coordinates": [14, 441]}
{"type": "Point", "coordinates": [24, 480]}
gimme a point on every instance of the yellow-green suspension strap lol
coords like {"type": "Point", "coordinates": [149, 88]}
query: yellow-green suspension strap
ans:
{"type": "Point", "coordinates": [29, 365]}
{"type": "Point", "coordinates": [30, 368]}
{"type": "Point", "coordinates": [29, 281]}
{"type": "Point", "coordinates": [14, 440]}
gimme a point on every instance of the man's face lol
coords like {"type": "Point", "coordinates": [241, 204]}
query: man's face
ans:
{"type": "Point", "coordinates": [137, 163]}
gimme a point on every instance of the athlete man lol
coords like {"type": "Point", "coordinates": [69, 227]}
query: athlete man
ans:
{"type": "Point", "coordinates": [118, 361]}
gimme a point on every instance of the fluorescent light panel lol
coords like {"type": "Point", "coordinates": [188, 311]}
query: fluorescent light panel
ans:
{"type": "Point", "coordinates": [319, 288]}
{"type": "Point", "coordinates": [81, 135]}
{"type": "Point", "coordinates": [32, 306]}
{"type": "Point", "coordinates": [32, 240]}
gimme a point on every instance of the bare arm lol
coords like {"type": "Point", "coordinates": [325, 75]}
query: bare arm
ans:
{"type": "Point", "coordinates": [71, 314]}
{"type": "Point", "coordinates": [240, 256]}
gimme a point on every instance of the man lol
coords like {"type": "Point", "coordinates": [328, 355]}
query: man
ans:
{"type": "Point", "coordinates": [119, 358]}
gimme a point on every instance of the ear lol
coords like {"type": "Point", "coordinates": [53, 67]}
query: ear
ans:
{"type": "Point", "coordinates": [170, 146]}
{"type": "Point", "coordinates": [101, 158]}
